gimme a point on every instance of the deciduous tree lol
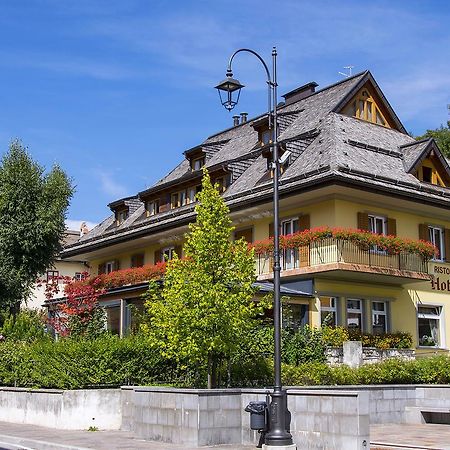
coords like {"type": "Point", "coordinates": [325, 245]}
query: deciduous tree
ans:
{"type": "Point", "coordinates": [33, 207]}
{"type": "Point", "coordinates": [442, 136]}
{"type": "Point", "coordinates": [206, 306]}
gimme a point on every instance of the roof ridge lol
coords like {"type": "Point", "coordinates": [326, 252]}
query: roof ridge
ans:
{"type": "Point", "coordinates": [416, 142]}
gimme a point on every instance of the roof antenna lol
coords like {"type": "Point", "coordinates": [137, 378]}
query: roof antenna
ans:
{"type": "Point", "coordinates": [349, 74]}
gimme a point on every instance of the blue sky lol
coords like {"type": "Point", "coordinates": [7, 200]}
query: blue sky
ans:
{"type": "Point", "coordinates": [115, 91]}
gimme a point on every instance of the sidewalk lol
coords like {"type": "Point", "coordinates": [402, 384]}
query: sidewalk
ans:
{"type": "Point", "coordinates": [27, 437]}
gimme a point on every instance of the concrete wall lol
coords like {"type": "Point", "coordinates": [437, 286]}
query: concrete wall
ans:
{"type": "Point", "coordinates": [332, 420]}
{"type": "Point", "coordinates": [69, 410]}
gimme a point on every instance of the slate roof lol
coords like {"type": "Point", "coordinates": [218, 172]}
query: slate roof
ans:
{"type": "Point", "coordinates": [324, 145]}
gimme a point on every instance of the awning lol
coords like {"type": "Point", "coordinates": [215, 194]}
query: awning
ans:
{"type": "Point", "coordinates": [302, 288]}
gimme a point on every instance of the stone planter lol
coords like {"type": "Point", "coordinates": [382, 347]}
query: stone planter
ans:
{"type": "Point", "coordinates": [370, 355]}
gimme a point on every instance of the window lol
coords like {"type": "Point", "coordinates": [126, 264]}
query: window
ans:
{"type": "Point", "coordinates": [79, 276]}
{"type": "Point", "coordinates": [191, 194]}
{"type": "Point", "coordinates": [113, 319]}
{"type": "Point", "coordinates": [222, 184]}
{"type": "Point", "coordinates": [379, 317]}
{"type": "Point", "coordinates": [429, 325]}
{"type": "Point", "coordinates": [174, 202]}
{"type": "Point", "coordinates": [427, 174]}
{"type": "Point", "coordinates": [354, 314]}
{"type": "Point", "coordinates": [246, 233]}
{"type": "Point", "coordinates": [266, 136]}
{"type": "Point", "coordinates": [378, 224]}
{"type": "Point", "coordinates": [289, 256]}
{"type": "Point", "coordinates": [436, 237]}
{"type": "Point", "coordinates": [152, 207]}
{"type": "Point", "coordinates": [295, 315]}
{"type": "Point", "coordinates": [122, 216]}
{"type": "Point", "coordinates": [328, 311]}
{"type": "Point", "coordinates": [110, 266]}
{"type": "Point", "coordinates": [198, 163]}
{"type": "Point", "coordinates": [137, 260]}
{"type": "Point", "coordinates": [168, 253]}
{"type": "Point", "coordinates": [52, 276]}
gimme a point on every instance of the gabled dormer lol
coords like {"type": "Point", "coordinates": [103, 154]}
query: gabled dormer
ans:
{"type": "Point", "coordinates": [367, 102]}
{"type": "Point", "coordinates": [265, 135]}
{"type": "Point", "coordinates": [123, 208]}
{"type": "Point", "coordinates": [196, 157]}
{"type": "Point", "coordinates": [366, 105]}
{"type": "Point", "coordinates": [426, 162]}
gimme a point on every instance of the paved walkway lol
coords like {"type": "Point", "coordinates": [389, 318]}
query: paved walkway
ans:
{"type": "Point", "coordinates": [406, 436]}
{"type": "Point", "coordinates": [30, 437]}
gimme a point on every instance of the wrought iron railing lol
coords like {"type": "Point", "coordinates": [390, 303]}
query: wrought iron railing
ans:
{"type": "Point", "coordinates": [332, 250]}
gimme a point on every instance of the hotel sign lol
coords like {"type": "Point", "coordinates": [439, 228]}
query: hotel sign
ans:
{"type": "Point", "coordinates": [440, 280]}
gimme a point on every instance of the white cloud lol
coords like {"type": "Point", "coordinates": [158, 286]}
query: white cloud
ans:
{"type": "Point", "coordinates": [74, 224]}
{"type": "Point", "coordinates": [110, 186]}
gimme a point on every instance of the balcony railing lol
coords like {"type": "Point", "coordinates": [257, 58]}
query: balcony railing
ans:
{"type": "Point", "coordinates": [333, 251]}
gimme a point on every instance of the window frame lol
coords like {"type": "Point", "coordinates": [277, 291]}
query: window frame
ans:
{"type": "Point", "coordinates": [383, 313]}
{"type": "Point", "coordinates": [51, 277]}
{"type": "Point", "coordinates": [440, 325]}
{"type": "Point", "coordinates": [431, 237]}
{"type": "Point", "coordinates": [170, 250]}
{"type": "Point", "coordinates": [291, 254]}
{"type": "Point", "coordinates": [110, 266]}
{"type": "Point", "coordinates": [359, 311]}
{"type": "Point", "coordinates": [152, 207]}
{"type": "Point", "coordinates": [329, 309]}
{"type": "Point", "coordinates": [201, 160]}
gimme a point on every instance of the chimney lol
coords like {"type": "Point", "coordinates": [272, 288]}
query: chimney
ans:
{"type": "Point", "coordinates": [244, 117]}
{"type": "Point", "coordinates": [300, 93]}
{"type": "Point", "coordinates": [235, 121]}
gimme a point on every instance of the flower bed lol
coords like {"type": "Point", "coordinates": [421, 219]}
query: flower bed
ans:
{"type": "Point", "coordinates": [393, 245]}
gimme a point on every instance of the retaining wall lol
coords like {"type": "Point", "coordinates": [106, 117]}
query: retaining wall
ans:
{"type": "Point", "coordinates": [332, 420]}
{"type": "Point", "coordinates": [68, 410]}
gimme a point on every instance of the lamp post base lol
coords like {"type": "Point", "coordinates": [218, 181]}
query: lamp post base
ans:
{"type": "Point", "coordinates": [279, 447]}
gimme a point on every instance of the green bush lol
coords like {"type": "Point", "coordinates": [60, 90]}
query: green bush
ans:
{"type": "Point", "coordinates": [303, 345]}
{"type": "Point", "coordinates": [334, 337]}
{"type": "Point", "coordinates": [27, 325]}
{"type": "Point", "coordinates": [435, 370]}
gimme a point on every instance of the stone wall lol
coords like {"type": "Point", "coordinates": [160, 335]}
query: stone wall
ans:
{"type": "Point", "coordinates": [69, 410]}
{"type": "Point", "coordinates": [370, 355]}
{"type": "Point", "coordinates": [332, 420]}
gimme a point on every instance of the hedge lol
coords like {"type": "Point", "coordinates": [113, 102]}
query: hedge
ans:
{"type": "Point", "coordinates": [110, 361]}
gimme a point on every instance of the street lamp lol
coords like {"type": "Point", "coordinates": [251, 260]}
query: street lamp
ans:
{"type": "Point", "coordinates": [278, 435]}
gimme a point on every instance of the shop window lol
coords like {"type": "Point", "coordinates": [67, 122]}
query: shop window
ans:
{"type": "Point", "coordinates": [328, 311]}
{"type": "Point", "coordinates": [354, 314]}
{"type": "Point", "coordinates": [379, 317]}
{"type": "Point", "coordinates": [429, 325]}
{"type": "Point", "coordinates": [436, 237]}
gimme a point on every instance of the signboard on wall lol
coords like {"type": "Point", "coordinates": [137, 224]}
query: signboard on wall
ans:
{"type": "Point", "coordinates": [440, 281]}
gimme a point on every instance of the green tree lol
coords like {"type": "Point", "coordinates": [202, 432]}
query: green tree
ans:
{"type": "Point", "coordinates": [205, 308]}
{"type": "Point", "coordinates": [442, 136]}
{"type": "Point", "coordinates": [33, 208]}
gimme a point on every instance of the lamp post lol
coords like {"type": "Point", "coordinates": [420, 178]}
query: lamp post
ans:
{"type": "Point", "coordinates": [278, 435]}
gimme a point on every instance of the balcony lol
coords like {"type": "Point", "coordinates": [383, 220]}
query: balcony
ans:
{"type": "Point", "coordinates": [343, 258]}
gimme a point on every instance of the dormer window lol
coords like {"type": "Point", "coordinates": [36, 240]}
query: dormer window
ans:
{"type": "Point", "coordinates": [121, 216]}
{"type": "Point", "coordinates": [152, 207]}
{"type": "Point", "coordinates": [198, 163]}
{"type": "Point", "coordinates": [428, 173]}
{"type": "Point", "coordinates": [266, 137]}
{"type": "Point", "coordinates": [184, 197]}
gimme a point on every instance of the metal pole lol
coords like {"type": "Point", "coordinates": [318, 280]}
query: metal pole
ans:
{"type": "Point", "coordinates": [278, 412]}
